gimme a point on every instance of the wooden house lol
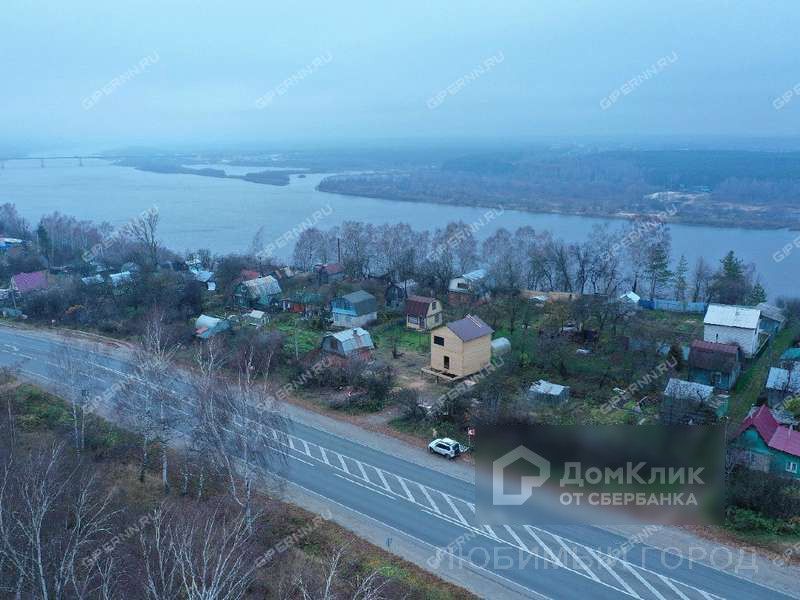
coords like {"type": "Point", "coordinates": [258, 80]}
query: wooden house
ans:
{"type": "Point", "coordinates": [725, 324]}
{"type": "Point", "coordinates": [329, 272]}
{"type": "Point", "coordinates": [763, 444]}
{"type": "Point", "coordinates": [423, 313]}
{"type": "Point", "coordinates": [307, 304]}
{"type": "Point", "coordinates": [258, 292]}
{"type": "Point", "coordinates": [773, 319]}
{"type": "Point", "coordinates": [460, 348]}
{"type": "Point", "coordinates": [467, 289]}
{"type": "Point", "coordinates": [781, 384]}
{"type": "Point", "coordinates": [718, 365]}
{"type": "Point", "coordinates": [396, 294]}
{"type": "Point", "coordinates": [350, 343]}
{"type": "Point", "coordinates": [356, 309]}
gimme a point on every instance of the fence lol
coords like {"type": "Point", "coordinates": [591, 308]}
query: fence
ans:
{"type": "Point", "coordinates": [674, 305]}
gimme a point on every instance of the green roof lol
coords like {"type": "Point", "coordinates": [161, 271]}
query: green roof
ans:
{"type": "Point", "coordinates": [791, 354]}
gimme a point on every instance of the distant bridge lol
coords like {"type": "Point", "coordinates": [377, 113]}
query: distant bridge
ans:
{"type": "Point", "coordinates": [80, 158]}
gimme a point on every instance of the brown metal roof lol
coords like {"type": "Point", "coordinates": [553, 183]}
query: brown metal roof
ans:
{"type": "Point", "coordinates": [417, 306]}
{"type": "Point", "coordinates": [470, 328]}
{"type": "Point", "coordinates": [711, 356]}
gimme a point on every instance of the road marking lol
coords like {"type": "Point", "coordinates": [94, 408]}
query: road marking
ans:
{"type": "Point", "coordinates": [542, 544]}
{"type": "Point", "coordinates": [405, 489]}
{"type": "Point", "coordinates": [366, 487]}
{"type": "Point", "coordinates": [455, 510]}
{"type": "Point", "coordinates": [324, 455]}
{"type": "Point", "coordinates": [429, 499]}
{"type": "Point", "coordinates": [516, 537]}
{"type": "Point", "coordinates": [645, 582]}
{"type": "Point", "coordinates": [383, 479]}
{"type": "Point", "coordinates": [363, 472]}
{"type": "Point", "coordinates": [341, 462]}
{"type": "Point", "coordinates": [672, 587]}
{"type": "Point", "coordinates": [616, 576]}
{"type": "Point", "coordinates": [577, 558]}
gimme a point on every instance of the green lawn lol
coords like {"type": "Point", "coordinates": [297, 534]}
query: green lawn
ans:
{"type": "Point", "coordinates": [307, 339]}
{"type": "Point", "coordinates": [752, 381]}
{"type": "Point", "coordinates": [413, 341]}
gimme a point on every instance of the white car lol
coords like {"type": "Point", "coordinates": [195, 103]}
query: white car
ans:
{"type": "Point", "coordinates": [446, 447]}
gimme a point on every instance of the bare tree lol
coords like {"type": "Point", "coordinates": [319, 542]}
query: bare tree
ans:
{"type": "Point", "coordinates": [370, 587]}
{"type": "Point", "coordinates": [143, 229]}
{"type": "Point", "coordinates": [205, 557]}
{"type": "Point", "coordinates": [50, 520]}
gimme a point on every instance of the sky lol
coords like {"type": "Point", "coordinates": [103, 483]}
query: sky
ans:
{"type": "Point", "coordinates": [271, 73]}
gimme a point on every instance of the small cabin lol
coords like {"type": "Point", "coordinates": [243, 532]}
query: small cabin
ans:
{"type": "Point", "coordinates": [356, 309]}
{"type": "Point", "coordinates": [460, 348]}
{"type": "Point", "coordinates": [423, 313]}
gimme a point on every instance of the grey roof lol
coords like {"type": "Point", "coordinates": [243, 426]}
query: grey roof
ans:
{"type": "Point", "coordinates": [353, 339]}
{"type": "Point", "coordinates": [262, 286]}
{"type": "Point", "coordinates": [784, 380]}
{"type": "Point", "coordinates": [547, 387]}
{"type": "Point", "coordinates": [363, 302]}
{"type": "Point", "coordinates": [732, 316]}
{"type": "Point", "coordinates": [771, 311]}
{"type": "Point", "coordinates": [688, 390]}
{"type": "Point", "coordinates": [470, 328]}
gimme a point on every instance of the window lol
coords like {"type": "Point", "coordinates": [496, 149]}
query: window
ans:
{"type": "Point", "coordinates": [433, 305]}
{"type": "Point", "coordinates": [438, 318]}
{"type": "Point", "coordinates": [413, 320]}
{"type": "Point", "coordinates": [791, 467]}
{"type": "Point", "coordinates": [716, 377]}
{"type": "Point", "coordinates": [462, 286]}
{"type": "Point", "coordinates": [446, 362]}
{"type": "Point", "coordinates": [438, 340]}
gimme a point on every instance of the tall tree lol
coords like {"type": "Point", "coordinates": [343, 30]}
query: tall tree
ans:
{"type": "Point", "coordinates": [679, 282]}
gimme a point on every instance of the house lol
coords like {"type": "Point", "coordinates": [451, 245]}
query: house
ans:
{"type": "Point", "coordinates": [763, 444]}
{"type": "Point", "coordinates": [356, 309]}
{"type": "Point", "coordinates": [256, 318]}
{"type": "Point", "coordinates": [773, 319]}
{"type": "Point", "coordinates": [423, 313]}
{"type": "Point", "coordinates": [330, 272]}
{"type": "Point", "coordinates": [725, 324]}
{"type": "Point", "coordinates": [460, 348]}
{"type": "Point", "coordinates": [9, 242]}
{"type": "Point", "coordinates": [718, 365]}
{"type": "Point", "coordinates": [206, 326]}
{"type": "Point", "coordinates": [545, 392]}
{"type": "Point", "coordinates": [782, 383]}
{"type": "Point", "coordinates": [630, 298]}
{"type": "Point", "coordinates": [260, 291]}
{"type": "Point", "coordinates": [396, 294]}
{"type": "Point", "coordinates": [25, 283]}
{"type": "Point", "coordinates": [683, 395]}
{"type": "Point", "coordinates": [350, 343]}
{"type": "Point", "coordinates": [467, 288]}
{"type": "Point", "coordinates": [96, 279]}
{"type": "Point", "coordinates": [206, 277]}
{"type": "Point", "coordinates": [789, 357]}
{"type": "Point", "coordinates": [120, 279]}
{"type": "Point", "coordinates": [303, 303]}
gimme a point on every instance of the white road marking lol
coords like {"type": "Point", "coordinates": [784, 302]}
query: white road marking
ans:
{"type": "Point", "coordinates": [455, 510]}
{"type": "Point", "coordinates": [614, 574]}
{"type": "Point", "coordinates": [405, 489]}
{"type": "Point", "coordinates": [644, 581]}
{"type": "Point", "coordinates": [666, 580]}
{"type": "Point", "coordinates": [577, 558]}
{"type": "Point", "coordinates": [429, 499]}
{"type": "Point", "coordinates": [516, 537]}
{"type": "Point", "coordinates": [539, 541]}
{"type": "Point", "coordinates": [366, 487]}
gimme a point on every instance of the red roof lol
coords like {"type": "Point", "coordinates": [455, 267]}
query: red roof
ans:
{"type": "Point", "coordinates": [332, 268]}
{"type": "Point", "coordinates": [777, 436]}
{"type": "Point", "coordinates": [417, 306]}
{"type": "Point", "coordinates": [29, 282]}
{"type": "Point", "coordinates": [247, 274]}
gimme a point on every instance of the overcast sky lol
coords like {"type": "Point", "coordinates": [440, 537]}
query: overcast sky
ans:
{"type": "Point", "coordinates": [380, 65]}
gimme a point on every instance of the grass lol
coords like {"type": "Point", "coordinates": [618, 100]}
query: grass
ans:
{"type": "Point", "coordinates": [751, 383]}
{"type": "Point", "coordinates": [307, 339]}
{"type": "Point", "coordinates": [407, 339]}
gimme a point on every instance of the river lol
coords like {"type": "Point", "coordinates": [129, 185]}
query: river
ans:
{"type": "Point", "coordinates": [224, 214]}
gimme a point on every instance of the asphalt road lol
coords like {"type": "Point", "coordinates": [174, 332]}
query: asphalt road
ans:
{"type": "Point", "coordinates": [562, 562]}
